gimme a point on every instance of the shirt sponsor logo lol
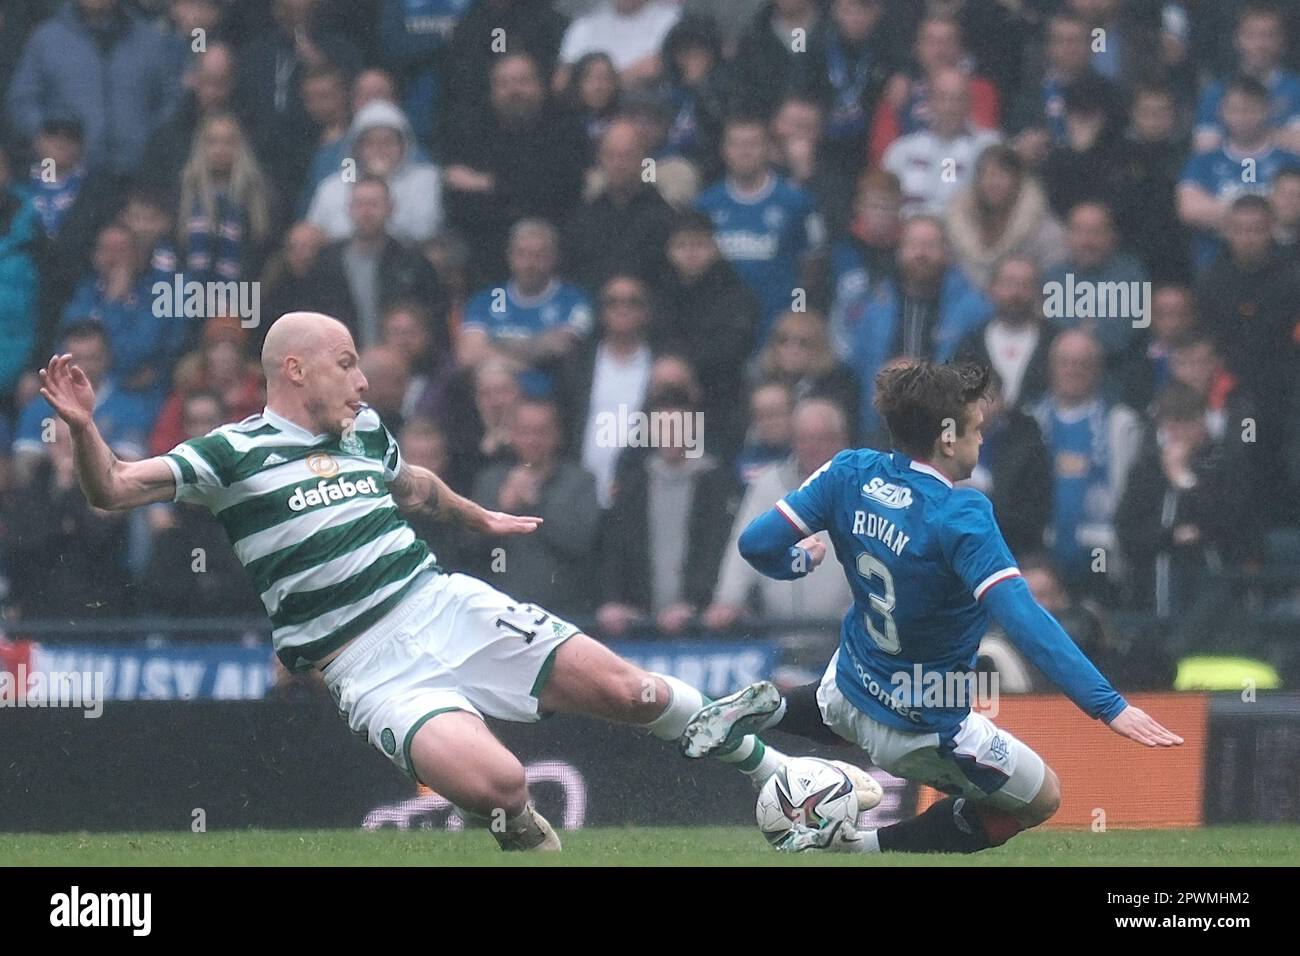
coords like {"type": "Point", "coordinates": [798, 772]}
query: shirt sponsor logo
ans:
{"type": "Point", "coordinates": [328, 492]}
{"type": "Point", "coordinates": [889, 495]}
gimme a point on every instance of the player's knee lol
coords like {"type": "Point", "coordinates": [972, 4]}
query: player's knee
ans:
{"type": "Point", "coordinates": [633, 695]}
{"type": "Point", "coordinates": [646, 695]}
{"type": "Point", "coordinates": [496, 788]}
{"type": "Point", "coordinates": [1046, 802]}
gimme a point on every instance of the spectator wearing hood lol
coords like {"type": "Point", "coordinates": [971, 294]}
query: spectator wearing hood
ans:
{"type": "Point", "coordinates": [696, 91]}
{"type": "Point", "coordinates": [382, 144]}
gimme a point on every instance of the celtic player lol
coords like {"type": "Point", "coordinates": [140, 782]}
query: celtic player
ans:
{"type": "Point", "coordinates": [309, 493]}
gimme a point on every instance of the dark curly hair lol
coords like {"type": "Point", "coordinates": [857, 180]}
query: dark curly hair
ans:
{"type": "Point", "coordinates": [917, 399]}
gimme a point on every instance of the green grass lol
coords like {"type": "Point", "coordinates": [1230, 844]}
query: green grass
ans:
{"type": "Point", "coordinates": [731, 846]}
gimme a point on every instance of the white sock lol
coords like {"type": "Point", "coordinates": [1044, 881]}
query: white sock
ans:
{"type": "Point", "coordinates": [869, 842]}
{"type": "Point", "coordinates": [684, 702]}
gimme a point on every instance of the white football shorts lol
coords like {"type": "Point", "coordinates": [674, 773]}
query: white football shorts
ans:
{"type": "Point", "coordinates": [454, 643]}
{"type": "Point", "coordinates": [977, 760]}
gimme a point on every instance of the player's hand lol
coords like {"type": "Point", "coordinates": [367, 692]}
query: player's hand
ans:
{"type": "Point", "coordinates": [815, 548]}
{"type": "Point", "coordinates": [1138, 725]}
{"type": "Point", "coordinates": [68, 391]}
{"type": "Point", "coordinates": [499, 522]}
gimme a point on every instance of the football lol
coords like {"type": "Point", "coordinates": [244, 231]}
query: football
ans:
{"type": "Point", "coordinates": [808, 792]}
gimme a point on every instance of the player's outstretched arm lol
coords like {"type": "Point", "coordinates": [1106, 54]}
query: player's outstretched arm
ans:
{"type": "Point", "coordinates": [107, 481]}
{"type": "Point", "coordinates": [1040, 638]}
{"type": "Point", "coordinates": [418, 489]}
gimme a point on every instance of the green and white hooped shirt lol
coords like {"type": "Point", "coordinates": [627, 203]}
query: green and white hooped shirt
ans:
{"type": "Point", "coordinates": [312, 521]}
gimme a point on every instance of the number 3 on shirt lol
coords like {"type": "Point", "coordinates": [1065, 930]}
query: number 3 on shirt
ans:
{"type": "Point", "coordinates": [870, 567]}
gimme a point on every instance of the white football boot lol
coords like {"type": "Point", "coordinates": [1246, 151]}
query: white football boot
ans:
{"type": "Point", "coordinates": [533, 833]}
{"type": "Point", "coordinates": [837, 838]}
{"type": "Point", "coordinates": [722, 724]}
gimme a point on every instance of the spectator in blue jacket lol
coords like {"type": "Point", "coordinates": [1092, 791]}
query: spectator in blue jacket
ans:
{"type": "Point", "coordinates": [1094, 258]}
{"type": "Point", "coordinates": [923, 312]}
{"type": "Point", "coordinates": [118, 295]}
{"type": "Point", "coordinates": [124, 418]}
{"type": "Point", "coordinates": [101, 62]}
{"type": "Point", "coordinates": [18, 231]}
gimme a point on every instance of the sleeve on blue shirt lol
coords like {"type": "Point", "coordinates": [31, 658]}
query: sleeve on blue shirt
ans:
{"type": "Point", "coordinates": [477, 311]}
{"type": "Point", "coordinates": [1038, 636]}
{"type": "Point", "coordinates": [808, 509]}
{"type": "Point", "coordinates": [1207, 108]}
{"type": "Point", "coordinates": [580, 319]}
{"type": "Point", "coordinates": [768, 544]}
{"type": "Point", "coordinates": [1197, 173]}
{"type": "Point", "coordinates": [29, 422]}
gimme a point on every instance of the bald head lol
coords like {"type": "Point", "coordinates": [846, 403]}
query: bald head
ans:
{"type": "Point", "coordinates": [297, 335]}
{"type": "Point", "coordinates": [820, 430]}
{"type": "Point", "coordinates": [1075, 361]}
{"type": "Point", "coordinates": [312, 374]}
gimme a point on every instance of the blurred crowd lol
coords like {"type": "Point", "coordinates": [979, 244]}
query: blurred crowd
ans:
{"type": "Point", "coordinates": [538, 217]}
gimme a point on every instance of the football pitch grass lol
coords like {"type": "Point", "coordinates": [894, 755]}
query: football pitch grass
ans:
{"type": "Point", "coordinates": [703, 846]}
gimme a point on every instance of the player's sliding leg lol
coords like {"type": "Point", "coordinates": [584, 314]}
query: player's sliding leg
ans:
{"type": "Point", "coordinates": [454, 754]}
{"type": "Point", "coordinates": [721, 724]}
{"type": "Point", "coordinates": [960, 825]}
{"type": "Point", "coordinates": [588, 678]}
{"type": "Point", "coordinates": [955, 824]}
{"type": "Point", "coordinates": [997, 785]}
